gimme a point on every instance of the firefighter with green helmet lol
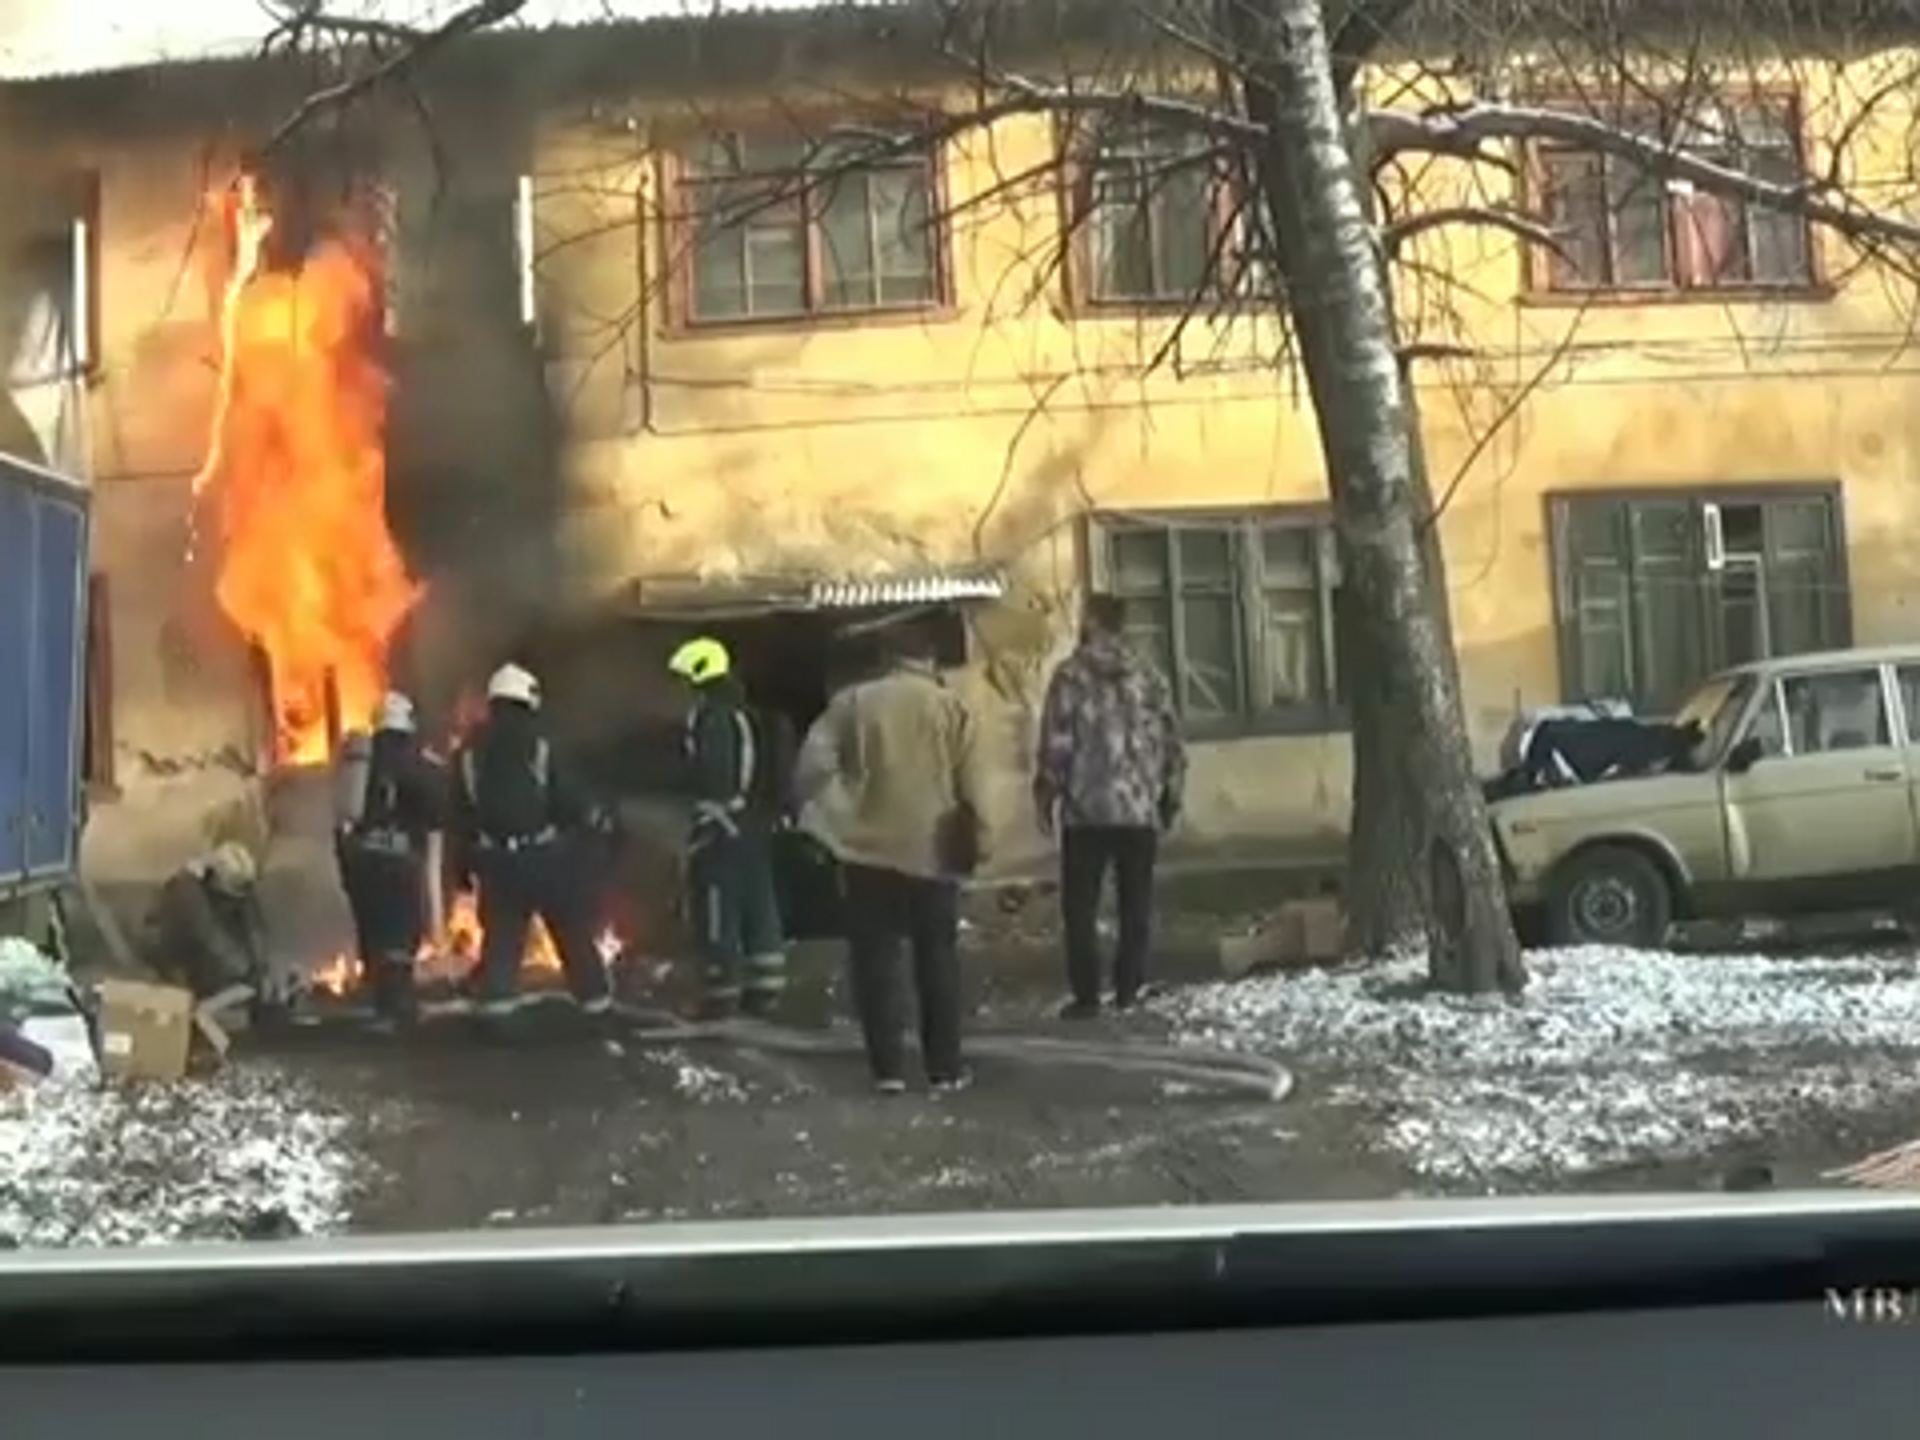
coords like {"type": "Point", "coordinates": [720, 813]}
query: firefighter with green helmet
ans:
{"type": "Point", "coordinates": [739, 770]}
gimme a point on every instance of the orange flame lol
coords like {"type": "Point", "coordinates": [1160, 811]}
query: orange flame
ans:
{"type": "Point", "coordinates": [297, 460]}
{"type": "Point", "coordinates": [460, 952]}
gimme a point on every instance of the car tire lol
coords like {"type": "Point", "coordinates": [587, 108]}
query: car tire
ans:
{"type": "Point", "coordinates": [1610, 895]}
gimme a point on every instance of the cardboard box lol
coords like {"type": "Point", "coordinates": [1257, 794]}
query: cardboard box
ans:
{"type": "Point", "coordinates": [146, 1031]}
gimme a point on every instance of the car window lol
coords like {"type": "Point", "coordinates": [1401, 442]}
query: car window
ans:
{"type": "Point", "coordinates": [1836, 710]}
{"type": "Point", "coordinates": [1768, 727]}
{"type": "Point", "coordinates": [1910, 699]}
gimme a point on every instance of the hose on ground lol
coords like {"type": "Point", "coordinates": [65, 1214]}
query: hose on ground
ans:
{"type": "Point", "coordinates": [1200, 1067]}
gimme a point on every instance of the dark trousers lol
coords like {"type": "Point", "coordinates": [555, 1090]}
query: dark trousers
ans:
{"type": "Point", "coordinates": [386, 892]}
{"type": "Point", "coordinates": [736, 914]}
{"type": "Point", "coordinates": [1087, 852]}
{"type": "Point", "coordinates": [550, 880]}
{"type": "Point", "coordinates": [882, 908]}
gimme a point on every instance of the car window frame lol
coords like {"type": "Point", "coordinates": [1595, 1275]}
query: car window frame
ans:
{"type": "Point", "coordinates": [1890, 704]}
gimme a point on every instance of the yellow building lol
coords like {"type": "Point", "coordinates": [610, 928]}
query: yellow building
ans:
{"type": "Point", "coordinates": [979, 365]}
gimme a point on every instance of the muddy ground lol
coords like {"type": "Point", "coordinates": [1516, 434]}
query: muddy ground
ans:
{"type": "Point", "coordinates": [566, 1123]}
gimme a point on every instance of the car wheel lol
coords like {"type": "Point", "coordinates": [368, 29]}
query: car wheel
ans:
{"type": "Point", "coordinates": [1611, 895]}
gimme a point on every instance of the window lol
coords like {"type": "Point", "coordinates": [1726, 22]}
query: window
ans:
{"type": "Point", "coordinates": [1152, 215]}
{"type": "Point", "coordinates": [1238, 612]}
{"type": "Point", "coordinates": [51, 305]}
{"type": "Point", "coordinates": [1909, 677]}
{"type": "Point", "coordinates": [1622, 228]}
{"type": "Point", "coordinates": [97, 721]}
{"type": "Point", "coordinates": [780, 229]}
{"type": "Point", "coordinates": [1643, 617]}
{"type": "Point", "coordinates": [1836, 711]}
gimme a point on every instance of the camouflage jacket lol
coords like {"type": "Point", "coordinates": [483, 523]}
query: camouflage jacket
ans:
{"type": "Point", "coordinates": [1110, 750]}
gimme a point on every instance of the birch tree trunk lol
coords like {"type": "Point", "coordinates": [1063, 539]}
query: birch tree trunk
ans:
{"type": "Point", "coordinates": [1397, 617]}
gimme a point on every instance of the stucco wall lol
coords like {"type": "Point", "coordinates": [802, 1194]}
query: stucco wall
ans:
{"type": "Point", "coordinates": [985, 431]}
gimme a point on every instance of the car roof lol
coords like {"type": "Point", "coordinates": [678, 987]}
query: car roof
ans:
{"type": "Point", "coordinates": [1831, 660]}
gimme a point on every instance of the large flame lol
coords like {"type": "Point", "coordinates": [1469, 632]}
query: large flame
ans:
{"type": "Point", "coordinates": [297, 466]}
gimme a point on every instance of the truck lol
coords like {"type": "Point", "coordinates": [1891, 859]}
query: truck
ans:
{"type": "Point", "coordinates": [45, 521]}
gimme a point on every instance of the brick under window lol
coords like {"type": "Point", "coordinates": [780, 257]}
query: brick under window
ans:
{"type": "Point", "coordinates": [1622, 228]}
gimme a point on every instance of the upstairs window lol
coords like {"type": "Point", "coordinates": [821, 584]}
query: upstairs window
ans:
{"type": "Point", "coordinates": [1154, 216]}
{"type": "Point", "coordinates": [784, 229]}
{"type": "Point", "coordinates": [1623, 228]}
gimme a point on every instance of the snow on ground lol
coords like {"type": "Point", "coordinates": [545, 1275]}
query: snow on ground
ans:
{"type": "Point", "coordinates": [243, 1153]}
{"type": "Point", "coordinates": [1610, 1057]}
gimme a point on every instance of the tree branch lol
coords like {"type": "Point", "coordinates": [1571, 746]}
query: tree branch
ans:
{"type": "Point", "coordinates": [415, 49]}
{"type": "Point", "coordinates": [1464, 130]}
{"type": "Point", "coordinates": [1396, 233]}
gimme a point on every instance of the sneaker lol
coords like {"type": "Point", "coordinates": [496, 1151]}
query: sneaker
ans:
{"type": "Point", "coordinates": [951, 1084]}
{"type": "Point", "coordinates": [1080, 1010]}
{"type": "Point", "coordinates": [890, 1087]}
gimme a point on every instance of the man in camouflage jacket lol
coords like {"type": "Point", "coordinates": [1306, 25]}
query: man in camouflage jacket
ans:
{"type": "Point", "coordinates": [1108, 780]}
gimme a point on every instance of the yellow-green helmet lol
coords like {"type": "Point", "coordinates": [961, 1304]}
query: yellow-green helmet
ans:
{"type": "Point", "coordinates": [700, 661]}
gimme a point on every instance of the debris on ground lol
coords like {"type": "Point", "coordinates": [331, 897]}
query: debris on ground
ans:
{"type": "Point", "coordinates": [1610, 1057]}
{"type": "Point", "coordinates": [246, 1154]}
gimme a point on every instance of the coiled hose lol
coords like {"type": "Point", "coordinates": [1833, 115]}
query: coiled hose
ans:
{"type": "Point", "coordinates": [1200, 1067]}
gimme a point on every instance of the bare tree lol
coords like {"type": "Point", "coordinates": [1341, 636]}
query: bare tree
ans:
{"type": "Point", "coordinates": [1327, 140]}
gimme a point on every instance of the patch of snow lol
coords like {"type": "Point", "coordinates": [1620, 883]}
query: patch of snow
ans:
{"type": "Point", "coordinates": [1610, 1057]}
{"type": "Point", "coordinates": [703, 1083]}
{"type": "Point", "coordinates": [245, 1152]}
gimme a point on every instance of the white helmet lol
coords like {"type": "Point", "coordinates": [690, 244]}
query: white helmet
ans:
{"type": "Point", "coordinates": [511, 682]}
{"type": "Point", "coordinates": [396, 713]}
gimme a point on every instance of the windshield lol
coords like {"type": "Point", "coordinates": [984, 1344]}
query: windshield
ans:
{"type": "Point", "coordinates": [1716, 708]}
{"type": "Point", "coordinates": [739, 696]}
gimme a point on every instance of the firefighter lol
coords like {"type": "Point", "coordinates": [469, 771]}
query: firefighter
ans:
{"type": "Point", "coordinates": [389, 824]}
{"type": "Point", "coordinates": [734, 762]}
{"type": "Point", "coordinates": [522, 828]}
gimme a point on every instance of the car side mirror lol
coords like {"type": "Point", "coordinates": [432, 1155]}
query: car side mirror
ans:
{"type": "Point", "coordinates": [1744, 756]}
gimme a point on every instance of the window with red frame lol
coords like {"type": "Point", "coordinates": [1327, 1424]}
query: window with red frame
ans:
{"type": "Point", "coordinates": [1157, 217]}
{"type": "Point", "coordinates": [1622, 228]}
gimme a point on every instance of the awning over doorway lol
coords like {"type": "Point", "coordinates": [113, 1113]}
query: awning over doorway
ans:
{"type": "Point", "coordinates": [668, 597]}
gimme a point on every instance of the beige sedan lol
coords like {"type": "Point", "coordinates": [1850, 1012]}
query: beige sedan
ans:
{"type": "Point", "coordinates": [1800, 799]}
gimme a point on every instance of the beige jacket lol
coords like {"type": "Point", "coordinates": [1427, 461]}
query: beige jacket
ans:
{"type": "Point", "coordinates": [889, 776]}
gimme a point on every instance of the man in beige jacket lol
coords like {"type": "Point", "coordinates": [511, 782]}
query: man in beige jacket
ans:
{"type": "Point", "coordinates": [888, 782]}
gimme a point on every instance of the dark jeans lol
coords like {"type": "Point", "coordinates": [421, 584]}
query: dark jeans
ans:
{"type": "Point", "coordinates": [1087, 852]}
{"type": "Point", "coordinates": [552, 881]}
{"type": "Point", "coordinates": [882, 908]}
{"type": "Point", "coordinates": [386, 893]}
{"type": "Point", "coordinates": [736, 914]}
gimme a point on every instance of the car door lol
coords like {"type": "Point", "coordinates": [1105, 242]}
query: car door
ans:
{"type": "Point", "coordinates": [1824, 819]}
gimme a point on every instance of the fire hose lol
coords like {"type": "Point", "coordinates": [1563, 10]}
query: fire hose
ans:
{"type": "Point", "coordinates": [1197, 1066]}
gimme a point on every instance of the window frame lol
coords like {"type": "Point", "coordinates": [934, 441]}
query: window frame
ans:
{"type": "Point", "coordinates": [1078, 171]}
{"type": "Point", "coordinates": [1249, 590]}
{"type": "Point", "coordinates": [1536, 262]}
{"type": "Point", "coordinates": [82, 191]}
{"type": "Point", "coordinates": [677, 233]}
{"type": "Point", "coordinates": [1559, 505]}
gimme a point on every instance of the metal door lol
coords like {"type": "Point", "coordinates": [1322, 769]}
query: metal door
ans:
{"type": "Point", "coordinates": [56, 687]}
{"type": "Point", "coordinates": [17, 506]}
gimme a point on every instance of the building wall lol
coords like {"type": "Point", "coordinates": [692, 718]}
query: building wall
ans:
{"type": "Point", "coordinates": [988, 430]}
{"type": "Point", "coordinates": [991, 428]}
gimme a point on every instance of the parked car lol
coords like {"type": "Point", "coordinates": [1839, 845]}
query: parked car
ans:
{"type": "Point", "coordinates": [1803, 797]}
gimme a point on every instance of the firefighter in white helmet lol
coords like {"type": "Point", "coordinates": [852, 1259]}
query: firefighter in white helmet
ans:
{"type": "Point", "coordinates": [390, 804]}
{"type": "Point", "coordinates": [522, 826]}
{"type": "Point", "coordinates": [740, 768]}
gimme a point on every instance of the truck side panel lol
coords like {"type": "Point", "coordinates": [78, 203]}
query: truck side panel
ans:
{"type": "Point", "coordinates": [16, 635]}
{"type": "Point", "coordinates": [56, 686]}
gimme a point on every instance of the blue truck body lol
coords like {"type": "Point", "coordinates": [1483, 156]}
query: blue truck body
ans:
{"type": "Point", "coordinates": [44, 532]}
